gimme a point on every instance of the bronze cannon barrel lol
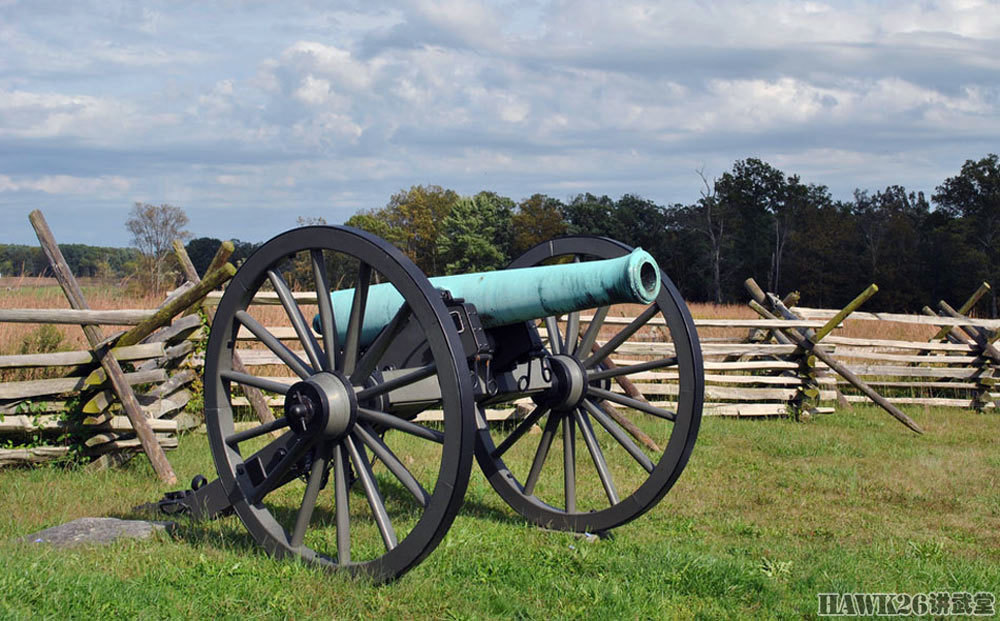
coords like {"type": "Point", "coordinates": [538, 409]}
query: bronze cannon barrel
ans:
{"type": "Point", "coordinates": [511, 296]}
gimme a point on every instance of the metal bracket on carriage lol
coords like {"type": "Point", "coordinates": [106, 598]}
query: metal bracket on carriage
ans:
{"type": "Point", "coordinates": [202, 501]}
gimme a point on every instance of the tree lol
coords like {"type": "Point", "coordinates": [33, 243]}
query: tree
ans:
{"type": "Point", "coordinates": [753, 193]}
{"type": "Point", "coordinates": [587, 214]}
{"type": "Point", "coordinates": [890, 224]}
{"type": "Point", "coordinates": [201, 251]}
{"type": "Point", "coordinates": [974, 195]}
{"type": "Point", "coordinates": [416, 216]}
{"type": "Point", "coordinates": [538, 219]}
{"type": "Point", "coordinates": [710, 220]}
{"type": "Point", "coordinates": [153, 228]}
{"type": "Point", "coordinates": [374, 222]}
{"type": "Point", "coordinates": [640, 222]}
{"type": "Point", "coordinates": [477, 235]}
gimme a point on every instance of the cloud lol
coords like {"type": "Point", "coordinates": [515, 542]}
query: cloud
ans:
{"type": "Point", "coordinates": [66, 184]}
{"type": "Point", "coordinates": [39, 115]}
{"type": "Point", "coordinates": [259, 106]}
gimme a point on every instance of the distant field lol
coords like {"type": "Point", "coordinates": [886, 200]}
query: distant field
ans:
{"type": "Point", "coordinates": [46, 293]}
{"type": "Point", "coordinates": [768, 514]}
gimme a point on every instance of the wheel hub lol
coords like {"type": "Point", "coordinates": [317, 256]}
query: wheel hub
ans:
{"type": "Point", "coordinates": [323, 404]}
{"type": "Point", "coordinates": [569, 383]}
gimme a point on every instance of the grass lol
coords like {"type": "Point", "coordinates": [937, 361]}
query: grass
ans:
{"type": "Point", "coordinates": [46, 293]}
{"type": "Point", "coordinates": [767, 514]}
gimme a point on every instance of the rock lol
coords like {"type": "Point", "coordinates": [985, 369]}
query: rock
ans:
{"type": "Point", "coordinates": [98, 531]}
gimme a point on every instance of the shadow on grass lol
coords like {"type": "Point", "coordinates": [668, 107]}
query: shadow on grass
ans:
{"type": "Point", "coordinates": [226, 531]}
{"type": "Point", "coordinates": [230, 533]}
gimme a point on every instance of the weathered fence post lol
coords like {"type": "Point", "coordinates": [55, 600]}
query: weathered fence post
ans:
{"type": "Point", "coordinates": [986, 361]}
{"type": "Point", "coordinates": [256, 398]}
{"type": "Point", "coordinates": [808, 346]}
{"type": "Point", "coordinates": [107, 359]}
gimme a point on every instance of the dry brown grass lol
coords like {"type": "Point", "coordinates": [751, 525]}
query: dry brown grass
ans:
{"type": "Point", "coordinates": [46, 293]}
{"type": "Point", "coordinates": [855, 328]}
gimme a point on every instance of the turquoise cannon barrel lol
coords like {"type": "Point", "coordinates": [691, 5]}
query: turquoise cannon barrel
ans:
{"type": "Point", "coordinates": [506, 297]}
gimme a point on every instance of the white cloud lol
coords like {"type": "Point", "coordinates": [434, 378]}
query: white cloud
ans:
{"type": "Point", "coordinates": [268, 105]}
{"type": "Point", "coordinates": [67, 184]}
{"type": "Point", "coordinates": [37, 115]}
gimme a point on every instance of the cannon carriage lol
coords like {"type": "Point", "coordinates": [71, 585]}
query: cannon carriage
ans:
{"type": "Point", "coordinates": [387, 391]}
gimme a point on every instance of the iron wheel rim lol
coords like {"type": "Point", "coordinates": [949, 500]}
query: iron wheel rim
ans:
{"type": "Point", "coordinates": [684, 431]}
{"type": "Point", "coordinates": [427, 308]}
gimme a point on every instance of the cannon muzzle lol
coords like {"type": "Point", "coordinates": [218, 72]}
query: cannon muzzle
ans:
{"type": "Point", "coordinates": [511, 296]}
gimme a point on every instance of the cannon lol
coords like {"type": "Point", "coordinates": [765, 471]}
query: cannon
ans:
{"type": "Point", "coordinates": [388, 381]}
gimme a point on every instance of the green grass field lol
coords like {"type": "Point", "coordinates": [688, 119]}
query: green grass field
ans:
{"type": "Point", "coordinates": [768, 514]}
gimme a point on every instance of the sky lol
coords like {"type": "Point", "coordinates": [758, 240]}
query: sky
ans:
{"type": "Point", "coordinates": [250, 114]}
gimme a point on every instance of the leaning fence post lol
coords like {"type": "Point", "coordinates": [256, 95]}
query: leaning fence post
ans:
{"type": "Point", "coordinates": [826, 357]}
{"type": "Point", "coordinates": [103, 352]}
{"type": "Point", "coordinates": [989, 356]}
{"type": "Point", "coordinates": [256, 398]}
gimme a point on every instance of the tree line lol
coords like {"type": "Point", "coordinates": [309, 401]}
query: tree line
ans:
{"type": "Point", "coordinates": [752, 221]}
{"type": "Point", "coordinates": [83, 260]}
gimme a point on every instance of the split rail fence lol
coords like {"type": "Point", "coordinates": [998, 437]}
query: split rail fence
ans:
{"type": "Point", "coordinates": [124, 394]}
{"type": "Point", "coordinates": [789, 362]}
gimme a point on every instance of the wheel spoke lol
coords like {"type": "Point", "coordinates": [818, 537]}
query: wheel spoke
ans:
{"type": "Point", "coordinates": [520, 430]}
{"type": "Point", "coordinates": [381, 418]}
{"type": "Point", "coordinates": [540, 454]}
{"type": "Point", "coordinates": [313, 486]}
{"type": "Point", "coordinates": [370, 485]}
{"type": "Point", "coordinates": [593, 330]}
{"type": "Point", "coordinates": [343, 508]}
{"type": "Point", "coordinates": [569, 462]}
{"type": "Point", "coordinates": [242, 436]}
{"type": "Point", "coordinates": [572, 332]}
{"type": "Point", "coordinates": [395, 466]}
{"type": "Point", "coordinates": [622, 336]}
{"type": "Point", "coordinates": [257, 382]}
{"type": "Point", "coordinates": [369, 361]}
{"type": "Point", "coordinates": [618, 434]}
{"type": "Point", "coordinates": [587, 431]}
{"type": "Point", "coordinates": [294, 314]}
{"type": "Point", "coordinates": [280, 350]}
{"type": "Point", "coordinates": [328, 325]}
{"type": "Point", "coordinates": [352, 340]}
{"type": "Point", "coordinates": [593, 376]}
{"type": "Point", "coordinates": [555, 338]}
{"type": "Point", "coordinates": [635, 404]}
{"type": "Point", "coordinates": [398, 382]}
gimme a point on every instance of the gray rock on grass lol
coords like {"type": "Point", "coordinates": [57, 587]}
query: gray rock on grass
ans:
{"type": "Point", "coordinates": [98, 531]}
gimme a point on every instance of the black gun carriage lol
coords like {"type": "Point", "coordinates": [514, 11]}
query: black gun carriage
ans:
{"type": "Point", "coordinates": [387, 390]}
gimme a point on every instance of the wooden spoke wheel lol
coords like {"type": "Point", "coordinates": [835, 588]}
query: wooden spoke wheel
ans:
{"type": "Point", "coordinates": [601, 454]}
{"type": "Point", "coordinates": [334, 479]}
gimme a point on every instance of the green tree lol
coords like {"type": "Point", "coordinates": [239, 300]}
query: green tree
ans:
{"type": "Point", "coordinates": [477, 235]}
{"type": "Point", "coordinates": [889, 224]}
{"type": "Point", "coordinates": [587, 214]}
{"type": "Point", "coordinates": [412, 222]}
{"type": "Point", "coordinates": [640, 222]}
{"type": "Point", "coordinates": [201, 251]}
{"type": "Point", "coordinates": [416, 216]}
{"type": "Point", "coordinates": [753, 193]}
{"type": "Point", "coordinates": [974, 196]}
{"type": "Point", "coordinates": [374, 221]}
{"type": "Point", "coordinates": [538, 219]}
